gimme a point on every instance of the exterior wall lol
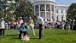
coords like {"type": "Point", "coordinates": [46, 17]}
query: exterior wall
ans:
{"type": "Point", "coordinates": [61, 11]}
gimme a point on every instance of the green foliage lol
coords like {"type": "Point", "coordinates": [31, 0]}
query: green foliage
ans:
{"type": "Point", "coordinates": [24, 10]}
{"type": "Point", "coordinates": [50, 36]}
{"type": "Point", "coordinates": [2, 7]}
{"type": "Point", "coordinates": [6, 14]}
{"type": "Point", "coordinates": [72, 11]}
{"type": "Point", "coordinates": [9, 12]}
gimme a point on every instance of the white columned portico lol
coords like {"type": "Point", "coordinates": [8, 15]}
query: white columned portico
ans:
{"type": "Point", "coordinates": [59, 15]}
{"type": "Point", "coordinates": [39, 11]}
{"type": "Point", "coordinates": [50, 10]}
{"type": "Point", "coordinates": [50, 13]}
{"type": "Point", "coordinates": [45, 12]}
{"type": "Point", "coordinates": [34, 10]}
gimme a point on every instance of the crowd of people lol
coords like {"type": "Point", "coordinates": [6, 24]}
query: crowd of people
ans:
{"type": "Point", "coordinates": [20, 25]}
{"type": "Point", "coordinates": [40, 24]}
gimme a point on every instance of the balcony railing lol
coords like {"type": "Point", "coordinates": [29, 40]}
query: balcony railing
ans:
{"type": "Point", "coordinates": [36, 10]}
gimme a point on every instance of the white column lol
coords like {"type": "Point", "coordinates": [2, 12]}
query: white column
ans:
{"type": "Point", "coordinates": [59, 15]}
{"type": "Point", "coordinates": [64, 17]}
{"type": "Point", "coordinates": [39, 10]}
{"type": "Point", "coordinates": [45, 13]}
{"type": "Point", "coordinates": [34, 10]}
{"type": "Point", "coordinates": [54, 13]}
{"type": "Point", "coordinates": [50, 13]}
{"type": "Point", "coordinates": [64, 13]}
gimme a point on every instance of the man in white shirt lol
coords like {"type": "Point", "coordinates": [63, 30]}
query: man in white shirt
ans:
{"type": "Point", "coordinates": [2, 25]}
{"type": "Point", "coordinates": [40, 21]}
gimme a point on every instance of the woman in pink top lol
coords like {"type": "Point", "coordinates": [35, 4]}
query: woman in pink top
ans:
{"type": "Point", "coordinates": [25, 36]}
{"type": "Point", "coordinates": [20, 21]}
{"type": "Point", "coordinates": [12, 24]}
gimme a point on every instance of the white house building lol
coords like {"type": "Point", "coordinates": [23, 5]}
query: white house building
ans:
{"type": "Point", "coordinates": [50, 10]}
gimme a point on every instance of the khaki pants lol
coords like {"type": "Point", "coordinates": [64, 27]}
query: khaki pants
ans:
{"type": "Point", "coordinates": [32, 30]}
{"type": "Point", "coordinates": [41, 31]}
{"type": "Point", "coordinates": [68, 29]}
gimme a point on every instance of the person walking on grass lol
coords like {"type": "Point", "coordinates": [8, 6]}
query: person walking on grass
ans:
{"type": "Point", "coordinates": [68, 29]}
{"type": "Point", "coordinates": [9, 25]}
{"type": "Point", "coordinates": [40, 22]}
{"type": "Point", "coordinates": [12, 25]}
{"type": "Point", "coordinates": [58, 24]}
{"type": "Point", "coordinates": [31, 26]}
{"type": "Point", "coordinates": [62, 25]}
{"type": "Point", "coordinates": [6, 25]}
{"type": "Point", "coordinates": [21, 30]}
{"type": "Point", "coordinates": [2, 25]}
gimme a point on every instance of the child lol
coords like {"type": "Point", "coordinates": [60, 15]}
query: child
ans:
{"type": "Point", "coordinates": [25, 37]}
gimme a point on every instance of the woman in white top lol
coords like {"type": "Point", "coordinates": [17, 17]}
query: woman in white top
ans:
{"type": "Point", "coordinates": [31, 26]}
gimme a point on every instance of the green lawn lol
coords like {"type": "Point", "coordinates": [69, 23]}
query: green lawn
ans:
{"type": "Point", "coordinates": [50, 36]}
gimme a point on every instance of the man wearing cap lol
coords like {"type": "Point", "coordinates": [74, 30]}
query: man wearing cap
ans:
{"type": "Point", "coordinates": [40, 21]}
{"type": "Point", "coordinates": [2, 25]}
{"type": "Point", "coordinates": [31, 26]}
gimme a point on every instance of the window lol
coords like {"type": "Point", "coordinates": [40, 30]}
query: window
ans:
{"type": "Point", "coordinates": [61, 11]}
{"type": "Point", "coordinates": [42, 9]}
{"type": "Point", "coordinates": [57, 11]}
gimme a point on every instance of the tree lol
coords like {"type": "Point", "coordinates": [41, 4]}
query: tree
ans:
{"type": "Point", "coordinates": [24, 9]}
{"type": "Point", "coordinates": [72, 11]}
{"type": "Point", "coordinates": [2, 7]}
{"type": "Point", "coordinates": [7, 13]}
{"type": "Point", "coordinates": [10, 12]}
{"type": "Point", "coordinates": [72, 14]}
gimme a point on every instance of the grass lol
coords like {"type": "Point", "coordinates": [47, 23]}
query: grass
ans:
{"type": "Point", "coordinates": [50, 36]}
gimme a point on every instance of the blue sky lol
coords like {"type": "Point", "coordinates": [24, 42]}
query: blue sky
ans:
{"type": "Point", "coordinates": [65, 1]}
